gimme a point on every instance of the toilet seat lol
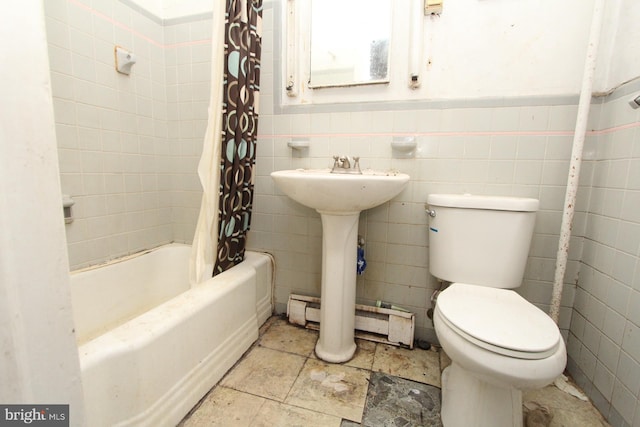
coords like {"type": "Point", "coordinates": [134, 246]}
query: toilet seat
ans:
{"type": "Point", "coordinates": [498, 320]}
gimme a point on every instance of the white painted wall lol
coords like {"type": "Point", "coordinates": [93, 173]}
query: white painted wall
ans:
{"type": "Point", "coordinates": [155, 7]}
{"type": "Point", "coordinates": [178, 8]}
{"type": "Point", "coordinates": [38, 354]}
{"type": "Point", "coordinates": [476, 49]}
{"type": "Point", "coordinates": [507, 48]}
{"type": "Point", "coordinates": [625, 32]}
{"type": "Point", "coordinates": [618, 60]}
{"type": "Point", "coordinates": [169, 9]}
{"type": "Point", "coordinates": [483, 49]}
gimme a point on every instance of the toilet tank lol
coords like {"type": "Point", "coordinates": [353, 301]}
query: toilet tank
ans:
{"type": "Point", "coordinates": [480, 240]}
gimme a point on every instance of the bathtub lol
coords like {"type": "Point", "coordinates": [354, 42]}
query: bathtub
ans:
{"type": "Point", "coordinates": [150, 345]}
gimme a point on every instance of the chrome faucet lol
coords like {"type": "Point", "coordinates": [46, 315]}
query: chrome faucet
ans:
{"type": "Point", "coordinates": [345, 164]}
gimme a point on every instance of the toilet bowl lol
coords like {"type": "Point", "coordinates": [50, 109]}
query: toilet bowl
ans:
{"type": "Point", "coordinates": [499, 343]}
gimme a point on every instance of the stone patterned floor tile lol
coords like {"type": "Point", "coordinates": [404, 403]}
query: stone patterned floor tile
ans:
{"type": "Point", "coordinates": [265, 372]}
{"type": "Point", "coordinates": [445, 361]}
{"type": "Point", "coordinates": [225, 407]}
{"type": "Point", "coordinates": [331, 389]}
{"type": "Point", "coordinates": [279, 414]}
{"type": "Point", "coordinates": [283, 368]}
{"type": "Point", "coordinates": [393, 401]}
{"type": "Point", "coordinates": [566, 409]}
{"type": "Point", "coordinates": [417, 365]}
{"type": "Point", "coordinates": [284, 336]}
{"type": "Point", "coordinates": [363, 358]}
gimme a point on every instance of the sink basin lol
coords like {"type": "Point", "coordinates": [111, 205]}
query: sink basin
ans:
{"type": "Point", "coordinates": [328, 192]}
{"type": "Point", "coordinates": [339, 198]}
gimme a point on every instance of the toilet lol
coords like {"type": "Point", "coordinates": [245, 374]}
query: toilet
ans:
{"type": "Point", "coordinates": [498, 342]}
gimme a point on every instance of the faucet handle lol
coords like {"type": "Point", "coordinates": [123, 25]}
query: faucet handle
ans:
{"type": "Point", "coordinates": [356, 163]}
{"type": "Point", "coordinates": [346, 164]}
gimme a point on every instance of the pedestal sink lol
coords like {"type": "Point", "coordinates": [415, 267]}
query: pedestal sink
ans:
{"type": "Point", "coordinates": [339, 198]}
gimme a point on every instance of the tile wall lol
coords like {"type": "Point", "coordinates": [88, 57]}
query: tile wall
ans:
{"type": "Point", "coordinates": [129, 148]}
{"type": "Point", "coordinates": [516, 147]}
{"type": "Point", "coordinates": [188, 69]}
{"type": "Point", "coordinates": [518, 151]}
{"type": "Point", "coordinates": [128, 145]}
{"type": "Point", "coordinates": [604, 338]}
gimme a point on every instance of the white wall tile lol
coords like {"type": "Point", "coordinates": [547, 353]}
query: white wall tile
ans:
{"type": "Point", "coordinates": [531, 147]}
{"type": "Point", "coordinates": [132, 128]}
{"type": "Point", "coordinates": [503, 147]}
{"type": "Point", "coordinates": [562, 117]}
{"type": "Point", "coordinates": [614, 326]}
{"type": "Point", "coordinates": [534, 118]}
{"type": "Point", "coordinates": [451, 147]}
{"type": "Point", "coordinates": [79, 18]}
{"type": "Point", "coordinates": [631, 340]}
{"type": "Point", "coordinates": [603, 379]}
{"type": "Point", "coordinates": [628, 372]}
{"type": "Point", "coordinates": [609, 354]}
{"type": "Point", "coordinates": [555, 172]}
{"type": "Point", "coordinates": [505, 118]}
{"type": "Point", "coordinates": [631, 207]}
{"type": "Point", "coordinates": [528, 172]}
{"type": "Point", "coordinates": [624, 401]}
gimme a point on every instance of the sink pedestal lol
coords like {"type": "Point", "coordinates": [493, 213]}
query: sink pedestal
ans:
{"type": "Point", "coordinates": [339, 198]}
{"type": "Point", "coordinates": [337, 310]}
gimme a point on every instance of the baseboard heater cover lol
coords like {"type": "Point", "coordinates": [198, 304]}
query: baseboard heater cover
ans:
{"type": "Point", "coordinates": [377, 324]}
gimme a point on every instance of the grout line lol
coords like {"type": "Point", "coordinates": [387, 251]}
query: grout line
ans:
{"type": "Point", "coordinates": [614, 129]}
{"type": "Point", "coordinates": [134, 32]}
{"type": "Point", "coordinates": [443, 133]}
{"type": "Point", "coordinates": [113, 21]}
{"type": "Point", "coordinates": [452, 133]}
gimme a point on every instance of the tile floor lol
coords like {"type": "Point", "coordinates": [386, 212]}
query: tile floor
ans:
{"type": "Point", "coordinates": [280, 382]}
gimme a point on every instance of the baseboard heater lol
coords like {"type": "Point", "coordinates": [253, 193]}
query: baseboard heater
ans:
{"type": "Point", "coordinates": [377, 324]}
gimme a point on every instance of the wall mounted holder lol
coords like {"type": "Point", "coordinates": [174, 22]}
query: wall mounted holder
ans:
{"type": "Point", "coordinates": [403, 147]}
{"type": "Point", "coordinates": [124, 60]}
{"type": "Point", "coordinates": [433, 7]}
{"type": "Point", "coordinates": [299, 147]}
{"type": "Point", "coordinates": [67, 202]}
{"type": "Point", "coordinates": [298, 143]}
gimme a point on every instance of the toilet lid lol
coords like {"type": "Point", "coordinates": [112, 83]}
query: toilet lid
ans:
{"type": "Point", "coordinates": [499, 320]}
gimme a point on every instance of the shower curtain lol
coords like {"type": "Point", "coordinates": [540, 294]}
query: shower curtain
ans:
{"type": "Point", "coordinates": [240, 121]}
{"type": "Point", "coordinates": [226, 168]}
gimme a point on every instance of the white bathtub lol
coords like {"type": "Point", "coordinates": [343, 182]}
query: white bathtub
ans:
{"type": "Point", "coordinates": [150, 346]}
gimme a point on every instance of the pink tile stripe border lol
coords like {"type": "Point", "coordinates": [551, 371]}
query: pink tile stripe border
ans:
{"type": "Point", "coordinates": [134, 32]}
{"type": "Point", "coordinates": [338, 135]}
{"type": "Point", "coordinates": [458, 133]}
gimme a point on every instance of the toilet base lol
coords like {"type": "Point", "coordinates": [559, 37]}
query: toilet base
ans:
{"type": "Point", "coordinates": [468, 401]}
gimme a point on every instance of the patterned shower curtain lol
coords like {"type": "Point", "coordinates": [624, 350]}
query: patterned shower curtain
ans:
{"type": "Point", "coordinates": [243, 44]}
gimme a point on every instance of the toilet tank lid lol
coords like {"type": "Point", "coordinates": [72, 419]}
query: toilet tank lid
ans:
{"type": "Point", "coordinates": [471, 201]}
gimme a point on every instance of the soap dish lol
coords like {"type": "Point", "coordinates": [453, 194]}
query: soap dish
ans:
{"type": "Point", "coordinates": [403, 146]}
{"type": "Point", "coordinates": [298, 143]}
